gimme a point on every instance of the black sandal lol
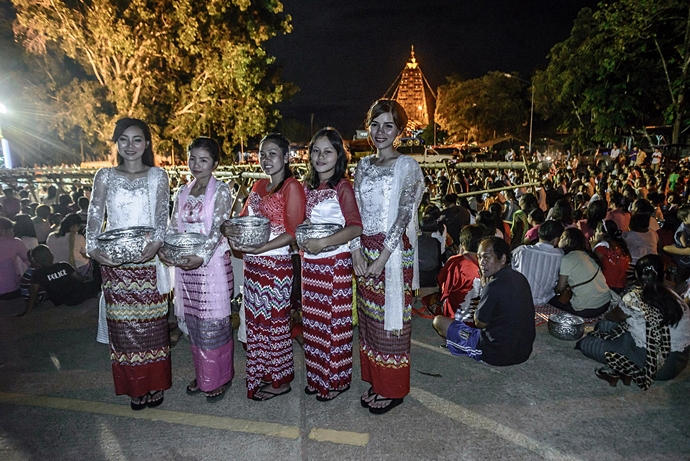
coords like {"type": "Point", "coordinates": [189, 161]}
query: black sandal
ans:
{"type": "Point", "coordinates": [153, 403]}
{"type": "Point", "coordinates": [141, 404]}
{"type": "Point", "coordinates": [193, 388]}
{"type": "Point", "coordinates": [363, 402]}
{"type": "Point", "coordinates": [211, 397]}
{"type": "Point", "coordinates": [383, 410]}
{"type": "Point", "coordinates": [332, 394]}
{"type": "Point", "coordinates": [309, 391]}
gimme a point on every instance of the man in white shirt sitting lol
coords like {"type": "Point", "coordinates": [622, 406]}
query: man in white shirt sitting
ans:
{"type": "Point", "coordinates": [541, 263]}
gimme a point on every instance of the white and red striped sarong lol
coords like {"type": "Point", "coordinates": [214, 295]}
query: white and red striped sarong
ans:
{"type": "Point", "coordinates": [267, 290]}
{"type": "Point", "coordinates": [327, 319]}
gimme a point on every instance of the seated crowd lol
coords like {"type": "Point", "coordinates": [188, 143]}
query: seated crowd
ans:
{"type": "Point", "coordinates": [610, 246]}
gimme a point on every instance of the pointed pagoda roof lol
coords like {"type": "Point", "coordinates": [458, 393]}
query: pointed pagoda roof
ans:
{"type": "Point", "coordinates": [411, 93]}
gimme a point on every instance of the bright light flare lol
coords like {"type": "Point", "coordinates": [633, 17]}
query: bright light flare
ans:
{"type": "Point", "coordinates": [3, 108]}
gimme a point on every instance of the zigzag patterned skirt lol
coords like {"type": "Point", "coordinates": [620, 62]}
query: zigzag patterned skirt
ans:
{"type": "Point", "coordinates": [327, 319]}
{"type": "Point", "coordinates": [138, 329]}
{"type": "Point", "coordinates": [385, 357]}
{"type": "Point", "coordinates": [267, 290]}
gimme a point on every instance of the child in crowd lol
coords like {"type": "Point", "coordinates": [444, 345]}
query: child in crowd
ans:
{"type": "Point", "coordinates": [535, 219]}
{"type": "Point", "coordinates": [62, 283]}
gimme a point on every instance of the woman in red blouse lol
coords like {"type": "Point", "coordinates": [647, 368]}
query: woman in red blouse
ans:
{"type": "Point", "coordinates": [608, 245]}
{"type": "Point", "coordinates": [268, 272]}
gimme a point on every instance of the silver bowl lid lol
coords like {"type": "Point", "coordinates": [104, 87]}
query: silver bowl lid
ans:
{"type": "Point", "coordinates": [116, 234]}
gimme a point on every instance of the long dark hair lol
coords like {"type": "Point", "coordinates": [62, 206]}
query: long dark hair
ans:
{"type": "Point", "coordinates": [284, 145]}
{"type": "Point", "coordinates": [120, 127]}
{"type": "Point", "coordinates": [23, 226]}
{"type": "Point", "coordinates": [67, 222]}
{"type": "Point", "coordinates": [613, 234]}
{"type": "Point", "coordinates": [650, 273]}
{"type": "Point", "coordinates": [596, 212]}
{"type": "Point", "coordinates": [562, 211]}
{"type": "Point", "coordinates": [578, 242]}
{"type": "Point", "coordinates": [312, 177]}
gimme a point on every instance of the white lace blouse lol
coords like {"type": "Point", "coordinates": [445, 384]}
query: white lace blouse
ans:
{"type": "Point", "coordinates": [122, 203]}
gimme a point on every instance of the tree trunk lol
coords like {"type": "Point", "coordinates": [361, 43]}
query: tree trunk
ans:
{"type": "Point", "coordinates": [680, 102]}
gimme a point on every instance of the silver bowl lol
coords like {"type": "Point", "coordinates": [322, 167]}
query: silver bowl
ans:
{"type": "Point", "coordinates": [179, 246]}
{"type": "Point", "coordinates": [255, 230]}
{"type": "Point", "coordinates": [316, 231]}
{"type": "Point", "coordinates": [566, 326]}
{"type": "Point", "coordinates": [125, 245]}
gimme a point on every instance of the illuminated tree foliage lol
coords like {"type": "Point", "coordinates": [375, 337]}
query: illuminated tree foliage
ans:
{"type": "Point", "coordinates": [188, 67]}
{"type": "Point", "coordinates": [481, 108]}
{"type": "Point", "coordinates": [622, 67]}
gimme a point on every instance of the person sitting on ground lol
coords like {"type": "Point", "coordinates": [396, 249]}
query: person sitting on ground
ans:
{"type": "Point", "coordinates": [496, 209]}
{"type": "Point", "coordinates": [580, 274]}
{"type": "Point", "coordinates": [596, 212]}
{"type": "Point", "coordinates": [459, 278]}
{"type": "Point", "coordinates": [25, 282]}
{"type": "Point", "coordinates": [535, 219]}
{"type": "Point", "coordinates": [541, 263]}
{"type": "Point", "coordinates": [62, 283]}
{"type": "Point", "coordinates": [11, 248]}
{"type": "Point", "coordinates": [504, 333]}
{"type": "Point", "coordinates": [41, 224]}
{"type": "Point", "coordinates": [608, 245]}
{"type": "Point", "coordinates": [618, 211]}
{"type": "Point", "coordinates": [429, 251]}
{"type": "Point", "coordinates": [641, 240]}
{"type": "Point", "coordinates": [11, 204]}
{"type": "Point", "coordinates": [70, 246]}
{"type": "Point", "coordinates": [454, 217]}
{"type": "Point", "coordinates": [528, 202]}
{"type": "Point", "coordinates": [646, 338]}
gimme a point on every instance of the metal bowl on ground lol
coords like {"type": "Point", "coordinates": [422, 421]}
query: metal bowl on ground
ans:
{"type": "Point", "coordinates": [566, 326]}
{"type": "Point", "coordinates": [254, 230]}
{"type": "Point", "coordinates": [305, 232]}
{"type": "Point", "coordinates": [178, 246]}
{"type": "Point", "coordinates": [125, 245]}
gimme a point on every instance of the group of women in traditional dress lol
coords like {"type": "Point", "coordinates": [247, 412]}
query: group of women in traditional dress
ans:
{"type": "Point", "coordinates": [376, 242]}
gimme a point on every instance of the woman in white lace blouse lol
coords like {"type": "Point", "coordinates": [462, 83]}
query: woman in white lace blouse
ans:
{"type": "Point", "coordinates": [388, 190]}
{"type": "Point", "coordinates": [134, 193]}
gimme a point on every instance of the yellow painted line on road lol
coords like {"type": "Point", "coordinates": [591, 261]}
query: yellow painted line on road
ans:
{"type": "Point", "coordinates": [442, 350]}
{"type": "Point", "coordinates": [477, 421]}
{"type": "Point", "coordinates": [342, 437]}
{"type": "Point", "coordinates": [187, 419]}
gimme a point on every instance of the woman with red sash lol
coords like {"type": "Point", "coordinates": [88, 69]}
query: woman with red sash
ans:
{"type": "Point", "coordinates": [204, 282]}
{"type": "Point", "coordinates": [388, 189]}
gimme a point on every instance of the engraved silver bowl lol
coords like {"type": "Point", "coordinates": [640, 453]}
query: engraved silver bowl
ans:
{"type": "Point", "coordinates": [179, 246]}
{"type": "Point", "coordinates": [316, 231]}
{"type": "Point", "coordinates": [255, 230]}
{"type": "Point", "coordinates": [566, 326]}
{"type": "Point", "coordinates": [125, 245]}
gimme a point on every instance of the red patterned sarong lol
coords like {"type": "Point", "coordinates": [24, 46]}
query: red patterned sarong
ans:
{"type": "Point", "coordinates": [138, 329]}
{"type": "Point", "coordinates": [267, 289]}
{"type": "Point", "coordinates": [327, 319]}
{"type": "Point", "coordinates": [385, 357]}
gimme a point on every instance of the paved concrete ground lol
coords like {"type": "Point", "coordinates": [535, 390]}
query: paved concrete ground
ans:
{"type": "Point", "coordinates": [57, 402]}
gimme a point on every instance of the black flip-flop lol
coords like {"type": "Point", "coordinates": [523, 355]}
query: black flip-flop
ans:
{"type": "Point", "coordinates": [193, 390]}
{"type": "Point", "coordinates": [363, 402]}
{"type": "Point", "coordinates": [142, 403]}
{"type": "Point", "coordinates": [383, 410]}
{"type": "Point", "coordinates": [218, 397]}
{"type": "Point", "coordinates": [270, 394]}
{"type": "Point", "coordinates": [154, 403]}
{"type": "Point", "coordinates": [310, 391]}
{"type": "Point", "coordinates": [337, 393]}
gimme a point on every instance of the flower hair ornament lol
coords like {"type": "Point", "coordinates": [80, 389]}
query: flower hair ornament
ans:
{"type": "Point", "coordinates": [649, 269]}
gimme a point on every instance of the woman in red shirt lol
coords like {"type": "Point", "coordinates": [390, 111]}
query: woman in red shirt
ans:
{"type": "Point", "coordinates": [612, 251]}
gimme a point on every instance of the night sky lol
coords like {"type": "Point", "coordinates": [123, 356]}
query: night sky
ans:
{"type": "Point", "coordinates": [345, 54]}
